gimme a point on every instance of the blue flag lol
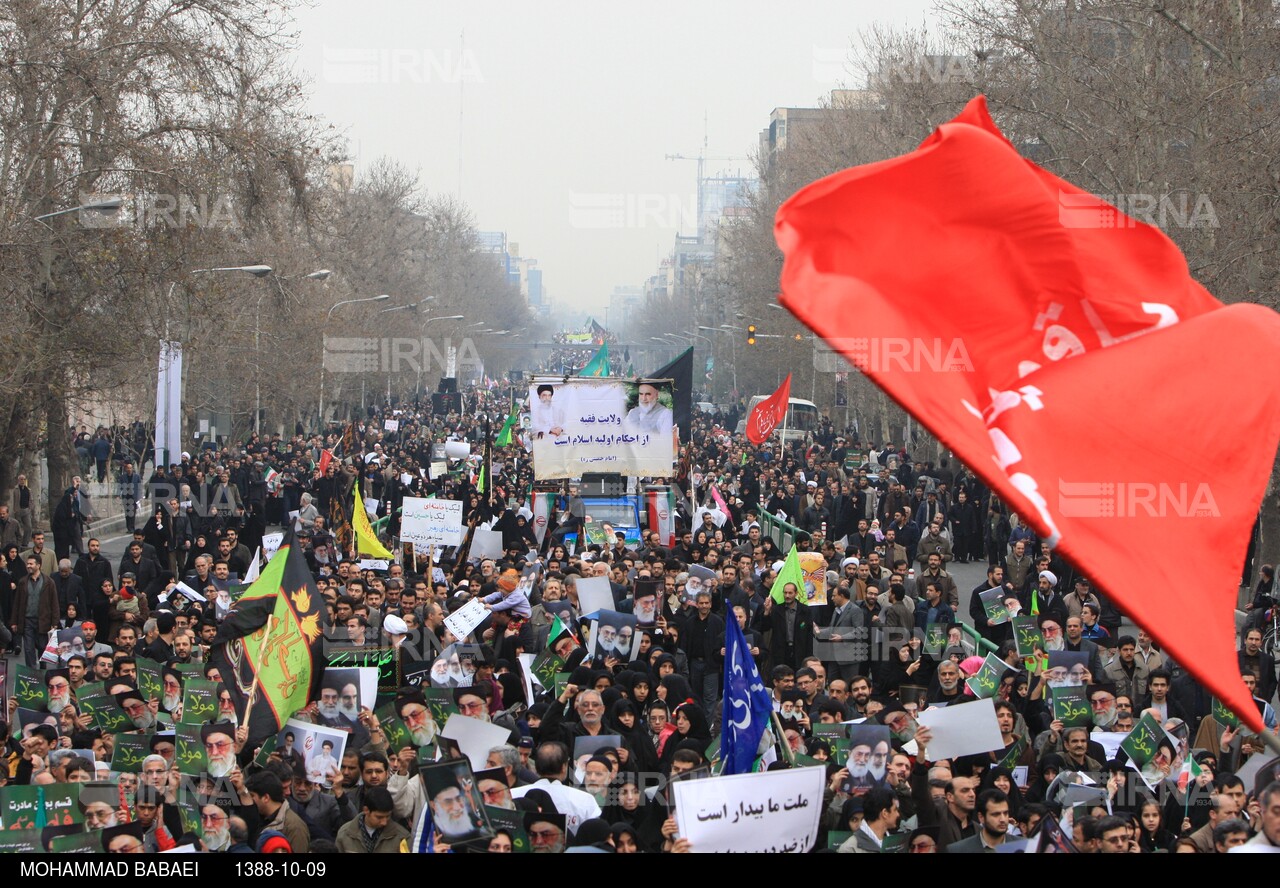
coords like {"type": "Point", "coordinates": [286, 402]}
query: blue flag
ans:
{"type": "Point", "coordinates": [747, 705]}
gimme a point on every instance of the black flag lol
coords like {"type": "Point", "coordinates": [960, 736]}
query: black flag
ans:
{"type": "Point", "coordinates": [681, 370]}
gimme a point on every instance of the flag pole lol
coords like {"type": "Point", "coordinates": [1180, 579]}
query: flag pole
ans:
{"type": "Point", "coordinates": [257, 681]}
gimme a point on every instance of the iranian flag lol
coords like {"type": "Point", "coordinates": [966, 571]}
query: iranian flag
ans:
{"type": "Point", "coordinates": [1190, 771]}
{"type": "Point", "coordinates": [662, 515]}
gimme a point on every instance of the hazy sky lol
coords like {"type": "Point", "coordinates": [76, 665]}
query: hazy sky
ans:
{"type": "Point", "coordinates": [568, 108]}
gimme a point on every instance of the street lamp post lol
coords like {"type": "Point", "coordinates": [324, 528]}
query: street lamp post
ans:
{"type": "Point", "coordinates": [328, 316]}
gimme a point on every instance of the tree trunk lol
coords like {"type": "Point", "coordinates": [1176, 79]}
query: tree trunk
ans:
{"type": "Point", "coordinates": [59, 454]}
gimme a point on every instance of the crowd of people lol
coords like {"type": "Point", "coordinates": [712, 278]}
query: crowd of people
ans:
{"type": "Point", "coordinates": [848, 674]}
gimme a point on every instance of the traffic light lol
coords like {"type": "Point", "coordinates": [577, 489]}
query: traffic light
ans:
{"type": "Point", "coordinates": [751, 334]}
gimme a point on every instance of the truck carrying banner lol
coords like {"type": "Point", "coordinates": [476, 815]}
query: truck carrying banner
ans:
{"type": "Point", "coordinates": [601, 425]}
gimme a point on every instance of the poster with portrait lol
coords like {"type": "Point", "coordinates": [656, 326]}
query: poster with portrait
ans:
{"type": "Point", "coordinates": [645, 595]}
{"type": "Point", "coordinates": [318, 747]}
{"type": "Point", "coordinates": [814, 569]}
{"type": "Point", "coordinates": [594, 424]}
{"type": "Point", "coordinates": [612, 637]}
{"type": "Point", "coordinates": [869, 749]}
{"type": "Point", "coordinates": [1066, 669]}
{"type": "Point", "coordinates": [456, 808]}
{"type": "Point", "coordinates": [456, 666]}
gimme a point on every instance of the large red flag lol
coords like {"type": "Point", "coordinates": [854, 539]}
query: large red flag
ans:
{"type": "Point", "coordinates": [1064, 352]}
{"type": "Point", "coordinates": [768, 414]}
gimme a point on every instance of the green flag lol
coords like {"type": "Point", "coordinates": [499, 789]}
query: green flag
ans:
{"type": "Point", "coordinates": [271, 640]}
{"type": "Point", "coordinates": [599, 365]}
{"type": "Point", "coordinates": [504, 434]}
{"type": "Point", "coordinates": [790, 573]}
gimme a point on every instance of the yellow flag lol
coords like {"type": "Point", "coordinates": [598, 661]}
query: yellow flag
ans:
{"type": "Point", "coordinates": [366, 540]}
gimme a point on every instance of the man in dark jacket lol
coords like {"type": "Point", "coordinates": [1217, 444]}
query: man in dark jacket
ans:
{"type": "Point", "coordinates": [35, 610]}
{"type": "Point", "coordinates": [702, 632]}
{"type": "Point", "coordinates": [93, 569]}
{"type": "Point", "coordinates": [70, 590]}
{"type": "Point", "coordinates": [791, 625]}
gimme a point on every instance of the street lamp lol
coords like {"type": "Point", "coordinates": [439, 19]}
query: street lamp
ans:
{"type": "Point", "coordinates": [327, 317]}
{"type": "Point", "coordinates": [110, 205]}
{"type": "Point", "coordinates": [411, 305]}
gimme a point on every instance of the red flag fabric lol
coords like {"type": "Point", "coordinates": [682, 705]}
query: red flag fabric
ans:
{"type": "Point", "coordinates": [767, 415]}
{"type": "Point", "coordinates": [1062, 350]}
{"type": "Point", "coordinates": [326, 457]}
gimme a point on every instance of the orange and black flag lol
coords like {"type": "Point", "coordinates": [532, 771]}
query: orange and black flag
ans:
{"type": "Point", "coordinates": [273, 639]}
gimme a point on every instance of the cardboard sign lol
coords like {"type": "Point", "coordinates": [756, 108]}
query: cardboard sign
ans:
{"type": "Point", "coordinates": [431, 522]}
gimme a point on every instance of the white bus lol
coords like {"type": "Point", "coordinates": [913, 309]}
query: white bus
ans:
{"type": "Point", "coordinates": [802, 418]}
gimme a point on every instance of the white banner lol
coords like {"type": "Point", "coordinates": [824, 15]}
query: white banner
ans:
{"type": "Point", "coordinates": [431, 522]}
{"type": "Point", "coordinates": [465, 619]}
{"type": "Point", "coordinates": [600, 425]}
{"type": "Point", "coordinates": [543, 505]}
{"type": "Point", "coordinates": [169, 404]}
{"type": "Point", "coordinates": [270, 543]}
{"type": "Point", "coordinates": [772, 812]}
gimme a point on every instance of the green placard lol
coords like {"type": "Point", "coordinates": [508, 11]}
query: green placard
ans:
{"type": "Point", "coordinates": [199, 700]}
{"type": "Point", "coordinates": [60, 804]}
{"type": "Point", "coordinates": [545, 666]}
{"type": "Point", "coordinates": [895, 843]}
{"type": "Point", "coordinates": [150, 683]}
{"type": "Point", "coordinates": [1071, 707]}
{"type": "Point", "coordinates": [77, 843]}
{"type": "Point", "coordinates": [383, 659]}
{"type": "Point", "coordinates": [264, 751]}
{"type": "Point", "coordinates": [935, 638]}
{"type": "Point", "coordinates": [1224, 716]}
{"type": "Point", "coordinates": [190, 754]}
{"type": "Point", "coordinates": [191, 820]}
{"type": "Point", "coordinates": [20, 808]}
{"type": "Point", "coordinates": [993, 603]}
{"type": "Point", "coordinates": [29, 689]}
{"type": "Point", "coordinates": [20, 841]}
{"type": "Point", "coordinates": [511, 822]}
{"type": "Point", "coordinates": [129, 752]}
{"type": "Point", "coordinates": [440, 702]}
{"type": "Point", "coordinates": [102, 709]}
{"type": "Point", "coordinates": [1013, 753]}
{"type": "Point", "coordinates": [394, 731]}
{"type": "Point", "coordinates": [561, 682]}
{"type": "Point", "coordinates": [1027, 637]}
{"type": "Point", "coordinates": [840, 749]}
{"type": "Point", "coordinates": [986, 681]}
{"type": "Point", "coordinates": [189, 671]}
{"type": "Point", "coordinates": [837, 837]}
{"type": "Point", "coordinates": [1143, 740]}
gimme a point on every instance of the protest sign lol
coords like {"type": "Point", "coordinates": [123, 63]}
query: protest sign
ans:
{"type": "Point", "coordinates": [770, 812]}
{"type": "Point", "coordinates": [993, 604]}
{"type": "Point", "coordinates": [486, 544]}
{"type": "Point", "coordinates": [465, 619]}
{"type": "Point", "coordinates": [594, 594]}
{"type": "Point", "coordinates": [271, 543]}
{"type": "Point", "coordinates": [431, 522]}
{"type": "Point", "coordinates": [986, 680]}
{"type": "Point", "coordinates": [474, 737]}
{"type": "Point", "coordinates": [582, 425]}
{"type": "Point", "coordinates": [1071, 707]}
{"type": "Point", "coordinates": [962, 730]}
